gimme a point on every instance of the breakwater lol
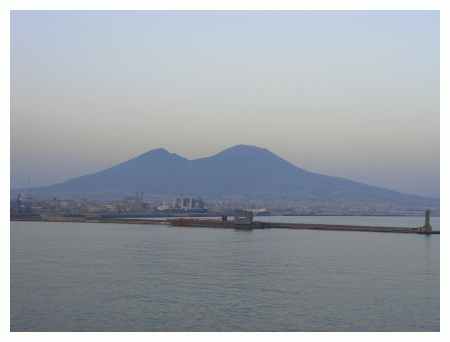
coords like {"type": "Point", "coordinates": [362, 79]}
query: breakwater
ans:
{"type": "Point", "coordinates": [296, 226]}
{"type": "Point", "coordinates": [221, 224]}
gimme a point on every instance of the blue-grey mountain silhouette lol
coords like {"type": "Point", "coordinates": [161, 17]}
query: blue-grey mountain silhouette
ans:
{"type": "Point", "coordinates": [241, 170]}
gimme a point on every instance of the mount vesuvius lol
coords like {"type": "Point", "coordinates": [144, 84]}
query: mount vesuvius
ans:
{"type": "Point", "coordinates": [241, 170]}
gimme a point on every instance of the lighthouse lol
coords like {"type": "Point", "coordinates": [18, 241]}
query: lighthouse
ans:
{"type": "Point", "coordinates": [426, 228]}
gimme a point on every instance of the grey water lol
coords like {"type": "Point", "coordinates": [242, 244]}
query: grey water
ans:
{"type": "Point", "coordinates": [119, 277]}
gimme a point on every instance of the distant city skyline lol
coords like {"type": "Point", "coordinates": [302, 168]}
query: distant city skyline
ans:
{"type": "Point", "coordinates": [349, 94]}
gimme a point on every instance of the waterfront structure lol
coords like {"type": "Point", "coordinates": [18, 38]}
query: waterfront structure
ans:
{"type": "Point", "coordinates": [22, 205]}
{"type": "Point", "coordinates": [243, 217]}
{"type": "Point", "coordinates": [426, 228]}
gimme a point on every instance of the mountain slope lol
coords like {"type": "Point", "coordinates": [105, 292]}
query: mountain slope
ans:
{"type": "Point", "coordinates": [240, 170]}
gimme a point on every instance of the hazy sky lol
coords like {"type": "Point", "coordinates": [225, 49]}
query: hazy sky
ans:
{"type": "Point", "coordinates": [351, 94]}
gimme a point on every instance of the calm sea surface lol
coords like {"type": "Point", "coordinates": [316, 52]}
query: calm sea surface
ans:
{"type": "Point", "coordinates": [118, 277]}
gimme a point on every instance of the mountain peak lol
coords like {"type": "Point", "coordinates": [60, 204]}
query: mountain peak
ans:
{"type": "Point", "coordinates": [156, 152]}
{"type": "Point", "coordinates": [159, 153]}
{"type": "Point", "coordinates": [243, 149]}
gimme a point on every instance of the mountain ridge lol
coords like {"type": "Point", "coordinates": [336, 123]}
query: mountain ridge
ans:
{"type": "Point", "coordinates": [242, 170]}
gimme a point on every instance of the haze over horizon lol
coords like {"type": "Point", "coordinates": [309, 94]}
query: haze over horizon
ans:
{"type": "Point", "coordinates": [348, 94]}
